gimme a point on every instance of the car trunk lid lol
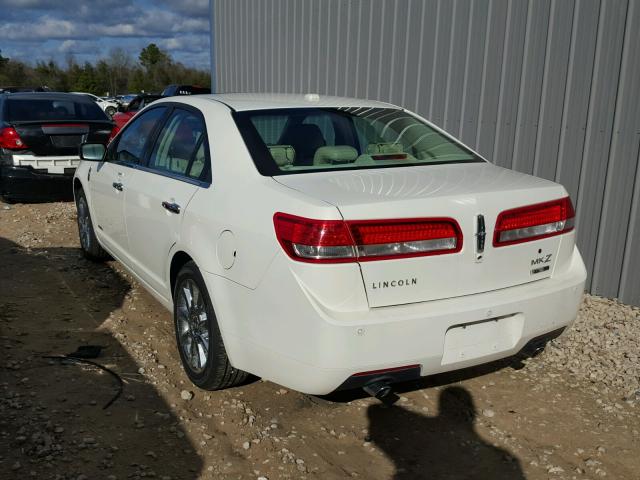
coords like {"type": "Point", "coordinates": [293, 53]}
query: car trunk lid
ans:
{"type": "Point", "coordinates": [57, 138]}
{"type": "Point", "coordinates": [472, 195]}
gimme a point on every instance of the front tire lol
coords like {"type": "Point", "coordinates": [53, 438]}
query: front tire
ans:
{"type": "Point", "coordinates": [111, 111]}
{"type": "Point", "coordinates": [200, 344]}
{"type": "Point", "coordinates": [91, 248]}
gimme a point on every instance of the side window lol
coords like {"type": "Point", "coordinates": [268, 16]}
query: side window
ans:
{"type": "Point", "coordinates": [133, 139]}
{"type": "Point", "coordinates": [178, 144]}
{"type": "Point", "coordinates": [199, 162]}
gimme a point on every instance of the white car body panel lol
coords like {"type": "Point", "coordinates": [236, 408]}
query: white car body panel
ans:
{"type": "Point", "coordinates": [107, 205]}
{"type": "Point", "coordinates": [153, 231]}
{"type": "Point", "coordinates": [311, 326]}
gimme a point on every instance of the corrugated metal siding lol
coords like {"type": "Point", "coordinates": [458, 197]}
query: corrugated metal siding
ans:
{"type": "Point", "coordinates": [548, 87]}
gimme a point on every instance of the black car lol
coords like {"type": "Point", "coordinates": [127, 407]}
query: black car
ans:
{"type": "Point", "coordinates": [40, 134]}
{"type": "Point", "coordinates": [173, 90]}
{"type": "Point", "coordinates": [22, 89]}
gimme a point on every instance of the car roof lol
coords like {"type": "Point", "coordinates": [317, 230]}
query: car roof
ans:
{"type": "Point", "coordinates": [49, 96]}
{"type": "Point", "coordinates": [264, 101]}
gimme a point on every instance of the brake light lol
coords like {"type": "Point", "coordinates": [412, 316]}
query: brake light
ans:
{"type": "Point", "coordinates": [114, 132]}
{"type": "Point", "coordinates": [533, 222]}
{"type": "Point", "coordinates": [338, 241]}
{"type": "Point", "coordinates": [390, 156]}
{"type": "Point", "coordinates": [10, 139]}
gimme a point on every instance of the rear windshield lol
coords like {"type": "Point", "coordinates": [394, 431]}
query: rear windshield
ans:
{"type": "Point", "coordinates": [299, 140]}
{"type": "Point", "coordinates": [22, 109]}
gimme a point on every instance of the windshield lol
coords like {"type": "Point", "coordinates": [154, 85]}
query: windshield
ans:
{"type": "Point", "coordinates": [298, 140]}
{"type": "Point", "coordinates": [20, 110]}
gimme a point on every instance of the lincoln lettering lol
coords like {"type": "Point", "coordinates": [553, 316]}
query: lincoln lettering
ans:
{"type": "Point", "coordinates": [395, 283]}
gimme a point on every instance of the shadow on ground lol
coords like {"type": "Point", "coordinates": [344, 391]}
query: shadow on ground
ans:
{"type": "Point", "coordinates": [52, 421]}
{"type": "Point", "coordinates": [442, 447]}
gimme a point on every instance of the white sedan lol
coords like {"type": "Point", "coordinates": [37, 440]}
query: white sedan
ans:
{"type": "Point", "coordinates": [107, 106]}
{"type": "Point", "coordinates": [326, 243]}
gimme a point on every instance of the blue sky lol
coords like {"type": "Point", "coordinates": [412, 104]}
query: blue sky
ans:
{"type": "Point", "coordinates": [32, 30]}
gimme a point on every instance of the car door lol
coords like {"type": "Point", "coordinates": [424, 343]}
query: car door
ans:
{"type": "Point", "coordinates": [176, 168]}
{"type": "Point", "coordinates": [109, 180]}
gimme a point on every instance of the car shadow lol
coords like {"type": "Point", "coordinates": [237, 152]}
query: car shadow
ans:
{"type": "Point", "coordinates": [441, 447]}
{"type": "Point", "coordinates": [52, 417]}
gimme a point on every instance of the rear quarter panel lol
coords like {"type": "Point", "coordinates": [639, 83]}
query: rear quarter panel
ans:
{"type": "Point", "coordinates": [239, 201]}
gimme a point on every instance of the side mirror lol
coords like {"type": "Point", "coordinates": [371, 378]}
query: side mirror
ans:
{"type": "Point", "coordinates": [92, 152]}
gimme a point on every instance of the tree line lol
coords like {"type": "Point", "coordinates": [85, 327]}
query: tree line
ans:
{"type": "Point", "coordinates": [115, 74]}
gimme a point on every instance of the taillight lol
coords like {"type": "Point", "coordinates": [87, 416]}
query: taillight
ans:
{"type": "Point", "coordinates": [338, 241]}
{"type": "Point", "coordinates": [114, 132]}
{"type": "Point", "coordinates": [533, 222]}
{"type": "Point", "coordinates": [10, 139]}
{"type": "Point", "coordinates": [314, 240]}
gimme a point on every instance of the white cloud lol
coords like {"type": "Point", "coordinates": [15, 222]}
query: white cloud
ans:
{"type": "Point", "coordinates": [42, 29]}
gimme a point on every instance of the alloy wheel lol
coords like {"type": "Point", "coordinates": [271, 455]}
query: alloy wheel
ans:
{"type": "Point", "coordinates": [193, 325]}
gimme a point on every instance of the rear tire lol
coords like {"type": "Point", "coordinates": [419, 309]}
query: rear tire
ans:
{"type": "Point", "coordinates": [111, 111]}
{"type": "Point", "coordinates": [91, 248]}
{"type": "Point", "coordinates": [198, 337]}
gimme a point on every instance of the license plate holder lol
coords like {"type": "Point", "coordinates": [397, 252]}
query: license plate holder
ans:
{"type": "Point", "coordinates": [484, 338]}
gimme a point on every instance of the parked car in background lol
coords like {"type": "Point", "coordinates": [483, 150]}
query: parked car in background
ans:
{"type": "Point", "coordinates": [23, 89]}
{"type": "Point", "coordinates": [125, 99]}
{"type": "Point", "coordinates": [40, 134]}
{"type": "Point", "coordinates": [125, 113]}
{"type": "Point", "coordinates": [339, 243]}
{"type": "Point", "coordinates": [175, 90]}
{"type": "Point", "coordinates": [109, 107]}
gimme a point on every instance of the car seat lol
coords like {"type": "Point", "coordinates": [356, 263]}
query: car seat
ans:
{"type": "Point", "coordinates": [305, 140]}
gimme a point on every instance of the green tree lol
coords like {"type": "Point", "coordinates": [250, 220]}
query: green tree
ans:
{"type": "Point", "coordinates": [86, 81]}
{"type": "Point", "coordinates": [3, 61]}
{"type": "Point", "coordinates": [152, 55]}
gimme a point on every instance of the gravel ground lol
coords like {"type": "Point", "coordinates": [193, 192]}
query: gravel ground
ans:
{"type": "Point", "coordinates": [573, 412]}
{"type": "Point", "coordinates": [602, 347]}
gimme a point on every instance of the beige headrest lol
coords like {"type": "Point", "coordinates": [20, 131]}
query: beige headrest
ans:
{"type": "Point", "coordinates": [284, 155]}
{"type": "Point", "coordinates": [337, 154]}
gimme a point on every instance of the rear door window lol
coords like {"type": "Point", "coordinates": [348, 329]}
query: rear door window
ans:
{"type": "Point", "coordinates": [133, 140]}
{"type": "Point", "coordinates": [180, 148]}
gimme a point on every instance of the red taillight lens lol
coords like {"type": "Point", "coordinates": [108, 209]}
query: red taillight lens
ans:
{"type": "Point", "coordinates": [335, 241]}
{"type": "Point", "coordinates": [314, 240]}
{"type": "Point", "coordinates": [376, 240]}
{"type": "Point", "coordinates": [10, 139]}
{"type": "Point", "coordinates": [534, 222]}
{"type": "Point", "coordinates": [114, 132]}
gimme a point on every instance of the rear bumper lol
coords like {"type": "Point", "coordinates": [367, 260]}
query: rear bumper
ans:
{"type": "Point", "coordinates": [277, 332]}
{"type": "Point", "coordinates": [20, 183]}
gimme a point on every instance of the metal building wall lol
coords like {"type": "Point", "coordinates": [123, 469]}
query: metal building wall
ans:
{"type": "Point", "coordinates": [548, 87]}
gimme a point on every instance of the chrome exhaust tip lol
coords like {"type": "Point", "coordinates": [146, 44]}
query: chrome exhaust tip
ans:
{"type": "Point", "coordinates": [382, 391]}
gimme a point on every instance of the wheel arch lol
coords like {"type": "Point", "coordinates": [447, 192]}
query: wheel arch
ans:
{"type": "Point", "coordinates": [77, 186]}
{"type": "Point", "coordinates": [178, 260]}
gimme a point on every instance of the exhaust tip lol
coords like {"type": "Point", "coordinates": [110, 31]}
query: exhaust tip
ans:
{"type": "Point", "coordinates": [382, 391]}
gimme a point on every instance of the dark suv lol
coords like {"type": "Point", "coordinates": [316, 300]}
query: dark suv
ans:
{"type": "Point", "coordinates": [40, 134]}
{"type": "Point", "coordinates": [173, 90]}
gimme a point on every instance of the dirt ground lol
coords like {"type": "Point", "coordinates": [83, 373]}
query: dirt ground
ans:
{"type": "Point", "coordinates": [491, 423]}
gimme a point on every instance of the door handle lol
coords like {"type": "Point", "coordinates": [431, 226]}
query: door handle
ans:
{"type": "Point", "coordinates": [118, 186]}
{"type": "Point", "coordinates": [172, 207]}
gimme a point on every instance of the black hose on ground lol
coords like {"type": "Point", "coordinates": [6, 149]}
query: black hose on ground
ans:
{"type": "Point", "coordinates": [77, 357]}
